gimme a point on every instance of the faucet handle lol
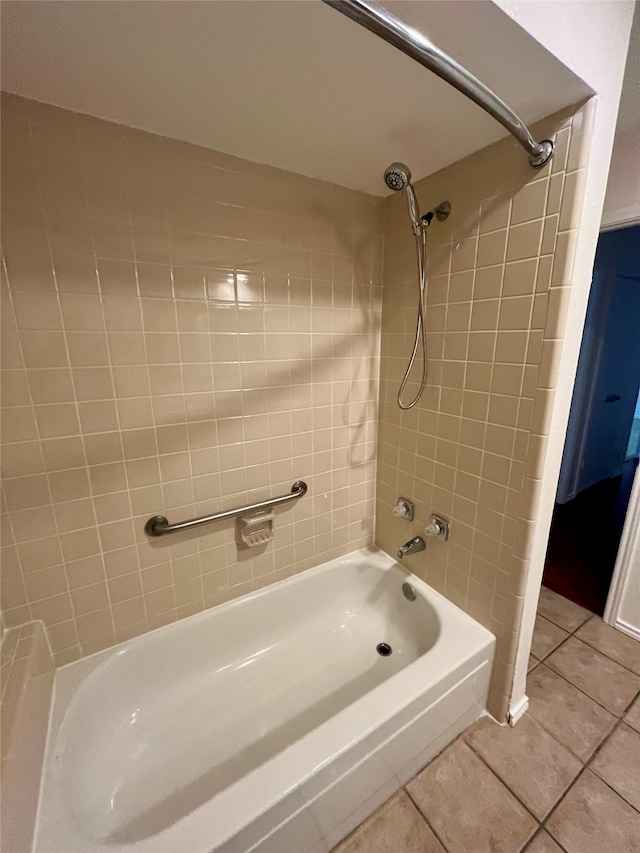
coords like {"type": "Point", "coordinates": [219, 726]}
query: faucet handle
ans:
{"type": "Point", "coordinates": [404, 509]}
{"type": "Point", "coordinates": [438, 527]}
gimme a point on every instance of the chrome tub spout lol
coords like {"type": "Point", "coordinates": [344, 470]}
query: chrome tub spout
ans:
{"type": "Point", "coordinates": [411, 547]}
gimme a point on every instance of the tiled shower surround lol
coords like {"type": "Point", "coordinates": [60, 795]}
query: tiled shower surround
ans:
{"type": "Point", "coordinates": [472, 449]}
{"type": "Point", "coordinates": [183, 331]}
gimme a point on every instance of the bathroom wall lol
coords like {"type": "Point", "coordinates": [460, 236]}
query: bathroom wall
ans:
{"type": "Point", "coordinates": [622, 201]}
{"type": "Point", "coordinates": [596, 51]}
{"type": "Point", "coordinates": [182, 331]}
{"type": "Point", "coordinates": [498, 293]}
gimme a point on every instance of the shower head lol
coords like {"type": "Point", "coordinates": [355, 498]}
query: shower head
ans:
{"type": "Point", "coordinates": [397, 177]}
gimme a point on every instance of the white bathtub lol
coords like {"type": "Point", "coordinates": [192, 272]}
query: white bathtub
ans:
{"type": "Point", "coordinates": [267, 724]}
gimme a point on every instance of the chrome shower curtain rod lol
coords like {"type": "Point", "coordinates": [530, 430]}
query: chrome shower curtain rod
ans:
{"type": "Point", "coordinates": [381, 22]}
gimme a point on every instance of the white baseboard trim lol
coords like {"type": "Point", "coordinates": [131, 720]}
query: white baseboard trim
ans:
{"type": "Point", "coordinates": [626, 628]}
{"type": "Point", "coordinates": [518, 710]}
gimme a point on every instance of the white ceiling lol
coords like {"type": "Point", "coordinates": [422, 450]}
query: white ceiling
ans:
{"type": "Point", "coordinates": [292, 84]}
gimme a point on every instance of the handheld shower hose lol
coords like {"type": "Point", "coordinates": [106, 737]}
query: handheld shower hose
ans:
{"type": "Point", "coordinates": [398, 178]}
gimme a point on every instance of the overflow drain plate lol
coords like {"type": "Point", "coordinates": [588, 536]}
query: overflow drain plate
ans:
{"type": "Point", "coordinates": [409, 592]}
{"type": "Point", "coordinates": [384, 649]}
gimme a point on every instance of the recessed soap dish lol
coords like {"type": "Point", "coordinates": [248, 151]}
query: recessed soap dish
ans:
{"type": "Point", "coordinates": [254, 530]}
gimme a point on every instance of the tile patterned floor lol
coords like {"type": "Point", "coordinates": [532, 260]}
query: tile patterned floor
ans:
{"type": "Point", "coordinates": [566, 779]}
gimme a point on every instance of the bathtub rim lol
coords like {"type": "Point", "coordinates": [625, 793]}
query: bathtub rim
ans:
{"type": "Point", "coordinates": [294, 762]}
{"type": "Point", "coordinates": [384, 561]}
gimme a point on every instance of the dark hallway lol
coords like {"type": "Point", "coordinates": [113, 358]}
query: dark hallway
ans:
{"type": "Point", "coordinates": [585, 534]}
{"type": "Point", "coordinates": [601, 447]}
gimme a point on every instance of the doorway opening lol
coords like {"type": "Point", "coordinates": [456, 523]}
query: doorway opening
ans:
{"type": "Point", "coordinates": [603, 436]}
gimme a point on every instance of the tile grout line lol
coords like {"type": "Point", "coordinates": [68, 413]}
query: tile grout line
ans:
{"type": "Point", "coordinates": [551, 734]}
{"type": "Point", "coordinates": [591, 645]}
{"type": "Point", "coordinates": [575, 687]}
{"type": "Point", "coordinates": [562, 627]}
{"type": "Point", "coordinates": [557, 624]}
{"type": "Point", "coordinates": [582, 640]}
{"type": "Point", "coordinates": [554, 649]}
{"type": "Point", "coordinates": [619, 720]}
{"type": "Point", "coordinates": [552, 837]}
{"type": "Point", "coordinates": [626, 709]}
{"type": "Point", "coordinates": [604, 654]}
{"type": "Point", "coordinates": [561, 799]}
{"type": "Point", "coordinates": [420, 812]}
{"type": "Point", "coordinates": [544, 660]}
{"type": "Point", "coordinates": [606, 737]}
{"type": "Point", "coordinates": [502, 782]}
{"type": "Point", "coordinates": [578, 777]}
{"type": "Point", "coordinates": [619, 723]}
{"type": "Point", "coordinates": [542, 823]}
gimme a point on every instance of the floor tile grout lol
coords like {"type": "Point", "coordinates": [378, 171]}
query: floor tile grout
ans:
{"type": "Point", "coordinates": [555, 807]}
{"type": "Point", "coordinates": [502, 781]}
{"type": "Point", "coordinates": [549, 619]}
{"type": "Point", "coordinates": [555, 648]}
{"type": "Point", "coordinates": [619, 719]}
{"type": "Point", "coordinates": [546, 657]}
{"type": "Point", "coordinates": [423, 816]}
{"type": "Point", "coordinates": [630, 671]}
{"type": "Point", "coordinates": [602, 743]}
{"type": "Point", "coordinates": [575, 686]}
{"type": "Point", "coordinates": [604, 654]}
{"type": "Point", "coordinates": [551, 734]}
{"type": "Point", "coordinates": [543, 828]}
{"type": "Point", "coordinates": [628, 708]}
{"type": "Point", "coordinates": [619, 723]}
{"type": "Point", "coordinates": [611, 788]}
{"type": "Point", "coordinates": [584, 764]}
{"type": "Point", "coordinates": [600, 779]}
{"type": "Point", "coordinates": [555, 624]}
{"type": "Point", "coordinates": [613, 713]}
{"type": "Point", "coordinates": [582, 640]}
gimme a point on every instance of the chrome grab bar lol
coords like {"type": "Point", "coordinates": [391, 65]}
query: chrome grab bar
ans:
{"type": "Point", "coordinates": [382, 23]}
{"type": "Point", "coordinates": [158, 525]}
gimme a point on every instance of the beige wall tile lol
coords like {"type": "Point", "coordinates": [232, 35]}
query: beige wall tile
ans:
{"type": "Point", "coordinates": [75, 274]}
{"type": "Point", "coordinates": [163, 312]}
{"type": "Point", "coordinates": [187, 349]}
{"type": "Point", "coordinates": [520, 277]}
{"type": "Point", "coordinates": [510, 248]}
{"type": "Point", "coordinates": [44, 349]}
{"type": "Point", "coordinates": [52, 610]}
{"type": "Point", "coordinates": [84, 572]}
{"type": "Point", "coordinates": [90, 598]}
{"type": "Point", "coordinates": [524, 240]}
{"type": "Point", "coordinates": [57, 420]}
{"type": "Point", "coordinates": [95, 625]}
{"type": "Point", "coordinates": [491, 248]}
{"type": "Point", "coordinates": [529, 203]}
{"type": "Point", "coordinates": [37, 310]}
{"type": "Point", "coordinates": [18, 423]}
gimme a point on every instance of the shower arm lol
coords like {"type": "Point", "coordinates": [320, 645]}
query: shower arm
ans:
{"type": "Point", "coordinates": [416, 45]}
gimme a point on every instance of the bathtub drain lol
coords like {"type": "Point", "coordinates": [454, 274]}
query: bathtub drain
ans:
{"type": "Point", "coordinates": [384, 649]}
